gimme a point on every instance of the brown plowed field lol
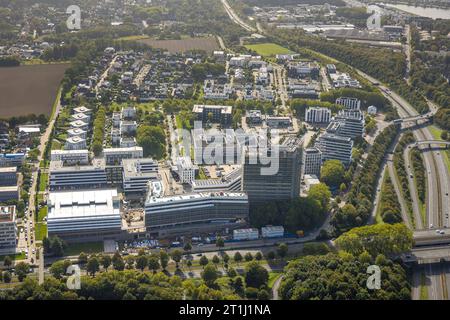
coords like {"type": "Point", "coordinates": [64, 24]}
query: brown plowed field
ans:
{"type": "Point", "coordinates": [29, 89]}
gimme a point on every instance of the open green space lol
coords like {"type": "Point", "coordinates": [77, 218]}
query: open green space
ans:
{"type": "Point", "coordinates": [42, 213]}
{"type": "Point", "coordinates": [268, 49]}
{"type": "Point", "coordinates": [17, 256]}
{"type": "Point", "coordinates": [41, 231]}
{"type": "Point", "coordinates": [74, 249]}
{"type": "Point", "coordinates": [43, 181]}
{"type": "Point", "coordinates": [273, 276]}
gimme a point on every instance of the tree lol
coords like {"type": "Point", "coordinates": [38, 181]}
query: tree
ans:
{"type": "Point", "coordinates": [225, 258]}
{"type": "Point", "coordinates": [237, 257]}
{"type": "Point", "coordinates": [332, 173]}
{"type": "Point", "coordinates": [153, 263]}
{"type": "Point", "coordinates": [215, 260]}
{"type": "Point", "coordinates": [386, 239]}
{"type": "Point", "coordinates": [203, 261]}
{"type": "Point", "coordinates": [59, 268]}
{"type": "Point", "coordinates": [7, 261]}
{"type": "Point", "coordinates": [258, 256]}
{"type": "Point", "coordinates": [7, 277]}
{"type": "Point", "coordinates": [248, 257]}
{"type": "Point", "coordinates": [238, 286]}
{"type": "Point", "coordinates": [82, 258]}
{"type": "Point", "coordinates": [263, 295]}
{"type": "Point", "coordinates": [22, 270]}
{"type": "Point", "coordinates": [105, 261]}
{"type": "Point", "coordinates": [141, 262]}
{"type": "Point", "coordinates": [320, 192]}
{"type": "Point", "coordinates": [164, 259]}
{"type": "Point", "coordinates": [93, 265]}
{"type": "Point", "coordinates": [117, 262]}
{"type": "Point", "coordinates": [444, 135]}
{"type": "Point", "coordinates": [270, 255]}
{"type": "Point", "coordinates": [256, 275]}
{"type": "Point", "coordinates": [189, 264]}
{"type": "Point", "coordinates": [342, 187]}
{"type": "Point", "coordinates": [220, 243]}
{"type": "Point", "coordinates": [176, 256]}
{"type": "Point", "coordinates": [187, 247]}
{"type": "Point", "coordinates": [209, 274]}
{"type": "Point", "coordinates": [282, 250]}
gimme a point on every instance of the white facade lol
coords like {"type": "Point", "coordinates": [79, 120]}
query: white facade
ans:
{"type": "Point", "coordinates": [245, 234]}
{"type": "Point", "coordinates": [372, 110]}
{"type": "Point", "coordinates": [116, 155]}
{"type": "Point", "coordinates": [335, 147]}
{"type": "Point", "coordinates": [186, 169]}
{"type": "Point", "coordinates": [70, 156]}
{"type": "Point", "coordinates": [349, 103]}
{"type": "Point", "coordinates": [272, 232]}
{"type": "Point", "coordinates": [75, 143]}
{"type": "Point", "coordinates": [317, 115]}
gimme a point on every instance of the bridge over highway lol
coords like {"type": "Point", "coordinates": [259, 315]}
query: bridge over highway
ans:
{"type": "Point", "coordinates": [434, 142]}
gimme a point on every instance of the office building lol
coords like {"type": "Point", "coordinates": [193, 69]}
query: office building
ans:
{"type": "Point", "coordinates": [9, 193]}
{"type": "Point", "coordinates": [335, 147]}
{"type": "Point", "coordinates": [85, 215]}
{"type": "Point", "coordinates": [215, 114]}
{"type": "Point", "coordinates": [317, 115]}
{"type": "Point", "coordinates": [128, 127]}
{"type": "Point", "coordinates": [349, 103]}
{"type": "Point", "coordinates": [312, 161]}
{"type": "Point", "coordinates": [347, 123]}
{"type": "Point", "coordinates": [77, 177]}
{"type": "Point", "coordinates": [75, 143]}
{"type": "Point", "coordinates": [229, 182]}
{"type": "Point", "coordinates": [137, 173]}
{"type": "Point", "coordinates": [70, 157]}
{"type": "Point", "coordinates": [82, 109]}
{"type": "Point", "coordinates": [195, 213]}
{"type": "Point", "coordinates": [8, 176]}
{"type": "Point", "coordinates": [12, 159]}
{"type": "Point", "coordinates": [284, 184]}
{"type": "Point", "coordinates": [8, 228]}
{"type": "Point", "coordinates": [114, 156]}
{"type": "Point", "coordinates": [186, 169]}
{"type": "Point", "coordinates": [278, 122]}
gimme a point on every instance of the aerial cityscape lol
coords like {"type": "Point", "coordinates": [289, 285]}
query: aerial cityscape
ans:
{"type": "Point", "coordinates": [224, 150]}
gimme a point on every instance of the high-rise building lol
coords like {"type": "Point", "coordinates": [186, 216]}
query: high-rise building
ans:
{"type": "Point", "coordinates": [335, 147]}
{"type": "Point", "coordinates": [312, 161]}
{"type": "Point", "coordinates": [317, 115]}
{"type": "Point", "coordinates": [8, 228]}
{"type": "Point", "coordinates": [218, 114]}
{"type": "Point", "coordinates": [283, 185]}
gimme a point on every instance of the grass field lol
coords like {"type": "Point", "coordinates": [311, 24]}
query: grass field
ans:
{"type": "Point", "coordinates": [268, 49]}
{"type": "Point", "coordinates": [436, 132]}
{"type": "Point", "coordinates": [43, 181]}
{"type": "Point", "coordinates": [208, 44]}
{"type": "Point", "coordinates": [41, 231]}
{"type": "Point", "coordinates": [273, 276]}
{"type": "Point", "coordinates": [42, 213]}
{"type": "Point", "coordinates": [75, 249]}
{"type": "Point", "coordinates": [29, 89]}
{"type": "Point", "coordinates": [17, 256]}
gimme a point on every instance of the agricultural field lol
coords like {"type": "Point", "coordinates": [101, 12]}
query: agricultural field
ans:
{"type": "Point", "coordinates": [208, 44]}
{"type": "Point", "coordinates": [268, 49]}
{"type": "Point", "coordinates": [29, 89]}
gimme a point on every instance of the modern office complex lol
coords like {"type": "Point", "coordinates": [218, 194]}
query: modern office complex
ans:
{"type": "Point", "coordinates": [12, 159]}
{"type": "Point", "coordinates": [229, 182]}
{"type": "Point", "coordinates": [137, 173]}
{"type": "Point", "coordinates": [349, 103]}
{"type": "Point", "coordinates": [283, 185]}
{"type": "Point", "coordinates": [77, 177]}
{"type": "Point", "coordinates": [317, 115]}
{"type": "Point", "coordinates": [85, 215]}
{"type": "Point", "coordinates": [312, 161]}
{"type": "Point", "coordinates": [70, 156]}
{"type": "Point", "coordinates": [9, 193]}
{"type": "Point", "coordinates": [75, 143]}
{"type": "Point", "coordinates": [114, 156]}
{"type": "Point", "coordinates": [185, 169]}
{"type": "Point", "coordinates": [335, 147]}
{"type": "Point", "coordinates": [347, 123]}
{"type": "Point", "coordinates": [8, 176]}
{"type": "Point", "coordinates": [194, 213]}
{"type": "Point", "coordinates": [217, 114]}
{"type": "Point", "coordinates": [8, 228]}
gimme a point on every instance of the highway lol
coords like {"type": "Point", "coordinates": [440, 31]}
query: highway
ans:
{"type": "Point", "coordinates": [233, 16]}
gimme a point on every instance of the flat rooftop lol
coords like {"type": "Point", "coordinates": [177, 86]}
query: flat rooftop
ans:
{"type": "Point", "coordinates": [83, 203]}
{"type": "Point", "coordinates": [196, 196]}
{"type": "Point", "coordinates": [8, 169]}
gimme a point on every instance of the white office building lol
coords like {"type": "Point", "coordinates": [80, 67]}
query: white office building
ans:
{"type": "Point", "coordinates": [335, 147]}
{"type": "Point", "coordinates": [229, 182]}
{"type": "Point", "coordinates": [77, 177]}
{"type": "Point", "coordinates": [312, 161]}
{"type": "Point", "coordinates": [137, 173]}
{"type": "Point", "coordinates": [317, 115]}
{"type": "Point", "coordinates": [70, 156]}
{"type": "Point", "coordinates": [75, 143]}
{"type": "Point", "coordinates": [347, 123]}
{"type": "Point", "coordinates": [85, 214]}
{"type": "Point", "coordinates": [349, 103]}
{"type": "Point", "coordinates": [76, 132]}
{"type": "Point", "coordinates": [186, 170]}
{"type": "Point", "coordinates": [114, 156]}
{"type": "Point", "coordinates": [8, 228]}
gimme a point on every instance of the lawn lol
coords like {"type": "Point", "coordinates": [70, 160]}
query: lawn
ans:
{"type": "Point", "coordinates": [75, 249]}
{"type": "Point", "coordinates": [41, 231]}
{"type": "Point", "coordinates": [43, 181]}
{"type": "Point", "coordinates": [17, 256]}
{"type": "Point", "coordinates": [436, 132]}
{"type": "Point", "coordinates": [268, 49]}
{"type": "Point", "coordinates": [273, 276]}
{"type": "Point", "coordinates": [42, 213]}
